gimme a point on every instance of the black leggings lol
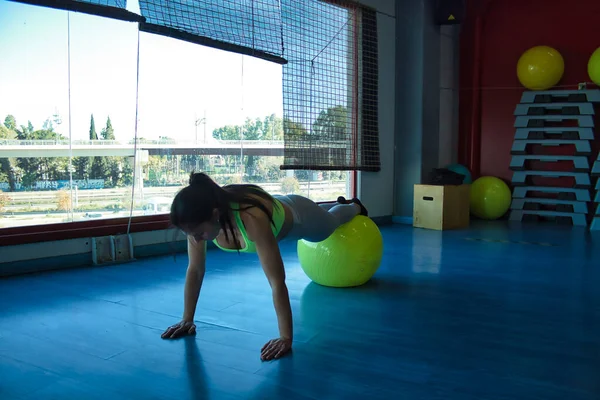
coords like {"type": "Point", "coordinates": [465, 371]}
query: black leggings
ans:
{"type": "Point", "coordinates": [316, 222]}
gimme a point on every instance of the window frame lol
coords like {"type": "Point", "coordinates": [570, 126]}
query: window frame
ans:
{"type": "Point", "coordinates": [115, 226]}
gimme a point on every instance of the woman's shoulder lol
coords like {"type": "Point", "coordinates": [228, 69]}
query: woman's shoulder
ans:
{"type": "Point", "coordinates": [252, 213]}
{"type": "Point", "coordinates": [256, 222]}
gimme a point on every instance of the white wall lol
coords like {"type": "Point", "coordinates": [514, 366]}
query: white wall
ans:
{"type": "Point", "coordinates": [376, 189]}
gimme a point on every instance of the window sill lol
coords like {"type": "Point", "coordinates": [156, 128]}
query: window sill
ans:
{"type": "Point", "coordinates": [76, 230]}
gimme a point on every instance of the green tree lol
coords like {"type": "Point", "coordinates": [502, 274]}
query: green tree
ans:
{"type": "Point", "coordinates": [267, 169]}
{"type": "Point", "coordinates": [7, 173]}
{"type": "Point", "coordinates": [93, 166]}
{"type": "Point", "coordinates": [99, 169]}
{"type": "Point", "coordinates": [272, 128]}
{"type": "Point", "coordinates": [41, 168]}
{"type": "Point", "coordinates": [111, 165]}
{"type": "Point", "coordinates": [267, 128]}
{"type": "Point", "coordinates": [114, 168]}
{"type": "Point", "coordinates": [28, 179]}
{"type": "Point", "coordinates": [253, 129]}
{"type": "Point", "coordinates": [7, 133]}
{"type": "Point", "coordinates": [6, 165]}
{"type": "Point", "coordinates": [53, 168]}
{"type": "Point", "coordinates": [290, 185]}
{"type": "Point", "coordinates": [229, 132]}
{"type": "Point", "coordinates": [93, 134]}
{"type": "Point", "coordinates": [294, 130]}
{"type": "Point", "coordinates": [332, 124]}
{"type": "Point", "coordinates": [26, 132]}
{"type": "Point", "coordinates": [108, 133]}
{"type": "Point", "coordinates": [10, 122]}
{"type": "Point", "coordinates": [127, 174]}
{"type": "Point", "coordinates": [48, 125]}
{"type": "Point", "coordinates": [82, 167]}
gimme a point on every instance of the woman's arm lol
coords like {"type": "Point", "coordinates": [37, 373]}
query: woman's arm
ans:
{"type": "Point", "coordinates": [194, 277]}
{"type": "Point", "coordinates": [272, 263]}
{"type": "Point", "coordinates": [259, 231]}
{"type": "Point", "coordinates": [193, 282]}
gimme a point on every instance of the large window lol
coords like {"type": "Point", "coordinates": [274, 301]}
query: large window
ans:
{"type": "Point", "coordinates": [70, 93]}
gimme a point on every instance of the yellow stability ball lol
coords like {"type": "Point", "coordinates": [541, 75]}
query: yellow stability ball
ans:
{"type": "Point", "coordinates": [490, 197]}
{"type": "Point", "coordinates": [349, 257]}
{"type": "Point", "coordinates": [594, 67]}
{"type": "Point", "coordinates": [540, 68]}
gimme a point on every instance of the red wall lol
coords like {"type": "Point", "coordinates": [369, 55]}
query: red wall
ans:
{"type": "Point", "coordinates": [489, 95]}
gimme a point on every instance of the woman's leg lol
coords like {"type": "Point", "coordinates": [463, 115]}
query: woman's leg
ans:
{"type": "Point", "coordinates": [314, 222]}
{"type": "Point", "coordinates": [343, 212]}
{"type": "Point", "coordinates": [327, 206]}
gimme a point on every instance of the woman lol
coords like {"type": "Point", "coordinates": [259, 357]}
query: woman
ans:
{"type": "Point", "coordinates": [247, 219]}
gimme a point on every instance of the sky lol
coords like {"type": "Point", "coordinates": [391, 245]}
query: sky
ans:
{"type": "Point", "coordinates": [179, 82]}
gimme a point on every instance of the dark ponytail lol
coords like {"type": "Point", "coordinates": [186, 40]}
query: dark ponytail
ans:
{"type": "Point", "coordinates": [199, 179]}
{"type": "Point", "coordinates": [195, 203]}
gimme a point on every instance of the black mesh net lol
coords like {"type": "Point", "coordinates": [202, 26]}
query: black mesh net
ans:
{"type": "Point", "coordinates": [329, 52]}
{"type": "Point", "coordinates": [250, 27]}
{"type": "Point", "coordinates": [330, 86]}
{"type": "Point", "coordinates": [107, 3]}
{"type": "Point", "coordinates": [115, 9]}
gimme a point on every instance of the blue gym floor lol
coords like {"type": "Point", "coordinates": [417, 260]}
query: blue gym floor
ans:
{"type": "Point", "coordinates": [515, 316]}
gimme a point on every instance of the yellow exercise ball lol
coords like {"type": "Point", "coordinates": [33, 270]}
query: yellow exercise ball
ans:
{"type": "Point", "coordinates": [540, 68]}
{"type": "Point", "coordinates": [594, 67]}
{"type": "Point", "coordinates": [349, 257]}
{"type": "Point", "coordinates": [490, 198]}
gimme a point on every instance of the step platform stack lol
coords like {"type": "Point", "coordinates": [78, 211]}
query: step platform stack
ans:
{"type": "Point", "coordinates": [595, 225]}
{"type": "Point", "coordinates": [551, 156]}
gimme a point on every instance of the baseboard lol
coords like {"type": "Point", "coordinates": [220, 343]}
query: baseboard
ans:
{"type": "Point", "coordinates": [382, 221]}
{"type": "Point", "coordinates": [396, 219]}
{"type": "Point", "coordinates": [44, 250]}
{"type": "Point", "coordinates": [13, 268]}
{"type": "Point", "coordinates": [73, 253]}
{"type": "Point", "coordinates": [161, 249]}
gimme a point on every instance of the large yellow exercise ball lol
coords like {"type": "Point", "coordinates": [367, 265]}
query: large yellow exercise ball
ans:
{"type": "Point", "coordinates": [594, 67]}
{"type": "Point", "coordinates": [347, 258]}
{"type": "Point", "coordinates": [540, 68]}
{"type": "Point", "coordinates": [490, 197]}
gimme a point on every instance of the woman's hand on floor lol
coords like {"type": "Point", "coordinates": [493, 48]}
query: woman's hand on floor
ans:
{"type": "Point", "coordinates": [275, 349]}
{"type": "Point", "coordinates": [180, 329]}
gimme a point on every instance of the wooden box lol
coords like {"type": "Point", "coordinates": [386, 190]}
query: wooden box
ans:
{"type": "Point", "coordinates": [441, 207]}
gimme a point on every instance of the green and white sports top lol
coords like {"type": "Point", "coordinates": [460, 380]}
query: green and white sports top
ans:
{"type": "Point", "coordinates": [250, 247]}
